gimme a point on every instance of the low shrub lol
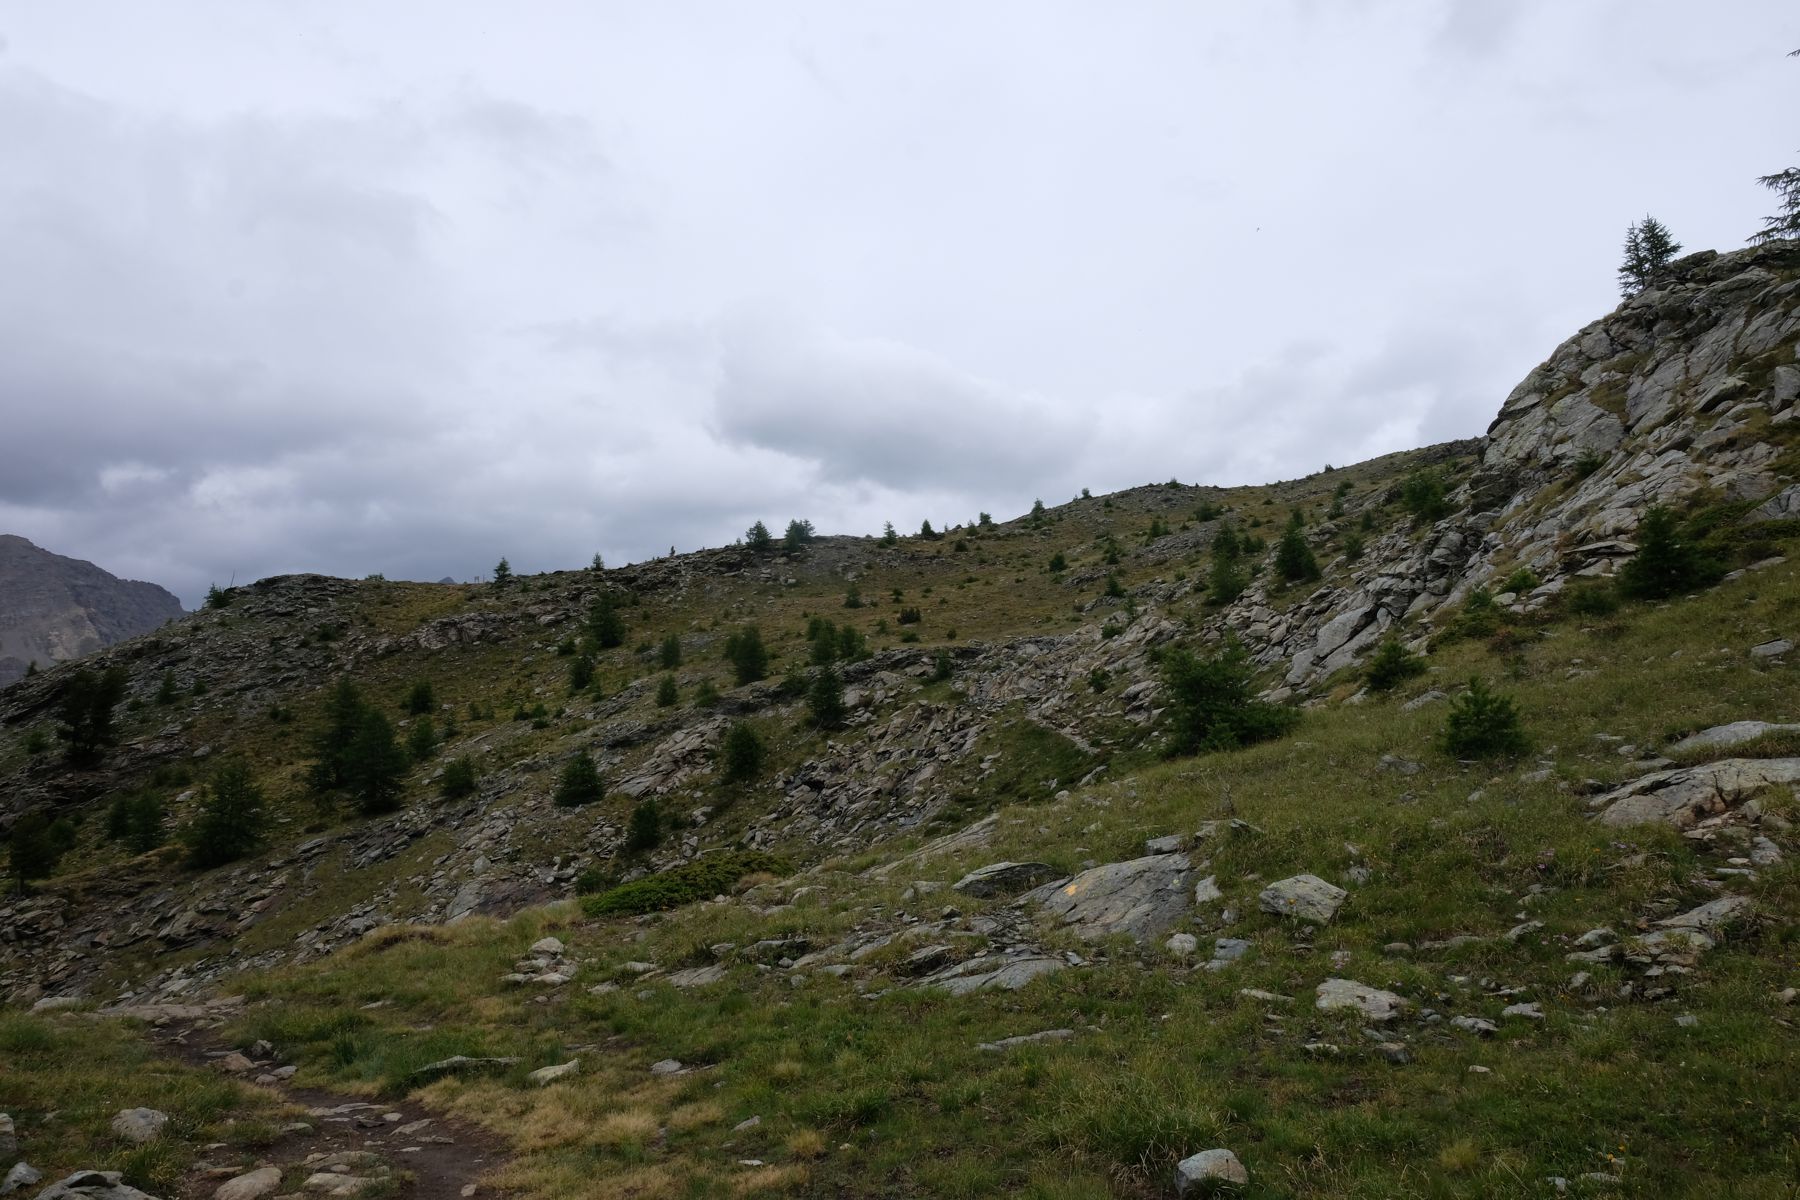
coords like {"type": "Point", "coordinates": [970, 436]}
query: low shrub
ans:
{"type": "Point", "coordinates": [699, 880]}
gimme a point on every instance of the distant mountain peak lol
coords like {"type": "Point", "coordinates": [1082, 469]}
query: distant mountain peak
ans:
{"type": "Point", "coordinates": [54, 608]}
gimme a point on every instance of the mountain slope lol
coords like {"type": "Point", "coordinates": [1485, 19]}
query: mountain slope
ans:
{"type": "Point", "coordinates": [54, 608]}
{"type": "Point", "coordinates": [1553, 917]}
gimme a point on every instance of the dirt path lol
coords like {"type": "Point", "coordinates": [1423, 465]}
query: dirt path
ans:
{"type": "Point", "coordinates": [365, 1140]}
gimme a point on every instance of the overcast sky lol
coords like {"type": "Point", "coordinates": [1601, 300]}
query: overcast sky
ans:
{"type": "Point", "coordinates": [405, 287]}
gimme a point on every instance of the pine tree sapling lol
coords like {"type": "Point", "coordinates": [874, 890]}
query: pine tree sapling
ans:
{"type": "Point", "coordinates": [230, 819]}
{"type": "Point", "coordinates": [1484, 724]}
{"type": "Point", "coordinates": [747, 654]}
{"type": "Point", "coordinates": [32, 851]}
{"type": "Point", "coordinates": [1666, 561]}
{"type": "Point", "coordinates": [421, 740]}
{"type": "Point", "coordinates": [420, 698]}
{"type": "Point", "coordinates": [1294, 559]}
{"type": "Point", "coordinates": [1213, 705]}
{"type": "Point", "coordinates": [374, 764]}
{"type": "Point", "coordinates": [459, 779]}
{"type": "Point", "coordinates": [669, 652]}
{"type": "Point", "coordinates": [644, 830]}
{"type": "Point", "coordinates": [667, 693]}
{"type": "Point", "coordinates": [605, 624]}
{"type": "Point", "coordinates": [758, 538]}
{"type": "Point", "coordinates": [503, 575]}
{"type": "Point", "coordinates": [86, 712]}
{"type": "Point", "coordinates": [1391, 665]}
{"type": "Point", "coordinates": [799, 535]}
{"type": "Point", "coordinates": [579, 783]}
{"type": "Point", "coordinates": [742, 754]}
{"type": "Point", "coordinates": [825, 698]}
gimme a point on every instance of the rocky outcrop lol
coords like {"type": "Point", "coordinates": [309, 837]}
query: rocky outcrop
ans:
{"type": "Point", "coordinates": [53, 609]}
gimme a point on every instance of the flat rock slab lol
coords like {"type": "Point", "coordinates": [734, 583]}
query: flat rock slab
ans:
{"type": "Point", "coordinates": [1686, 796]}
{"type": "Point", "coordinates": [1027, 1039]}
{"type": "Point", "coordinates": [1140, 898]}
{"type": "Point", "coordinates": [252, 1186]}
{"type": "Point", "coordinates": [991, 972]}
{"type": "Point", "coordinates": [1733, 734]}
{"type": "Point", "coordinates": [1712, 918]}
{"type": "Point", "coordinates": [92, 1185]}
{"type": "Point", "coordinates": [694, 977]}
{"type": "Point", "coordinates": [544, 1076]}
{"type": "Point", "coordinates": [1373, 1003]}
{"type": "Point", "coordinates": [1006, 879]}
{"type": "Point", "coordinates": [1303, 898]}
{"type": "Point", "coordinates": [462, 1064]}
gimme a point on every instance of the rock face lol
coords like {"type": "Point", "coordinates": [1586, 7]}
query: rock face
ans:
{"type": "Point", "coordinates": [53, 608]}
{"type": "Point", "coordinates": [1688, 795]}
{"type": "Point", "coordinates": [1734, 734]}
{"type": "Point", "coordinates": [1005, 879]}
{"type": "Point", "coordinates": [1140, 898]}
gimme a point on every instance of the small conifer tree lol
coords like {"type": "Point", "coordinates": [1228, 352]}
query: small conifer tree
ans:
{"type": "Point", "coordinates": [1294, 559]}
{"type": "Point", "coordinates": [644, 830]}
{"type": "Point", "coordinates": [667, 693]}
{"type": "Point", "coordinates": [421, 740]}
{"type": "Point", "coordinates": [374, 764]}
{"type": "Point", "coordinates": [1392, 664]}
{"type": "Point", "coordinates": [747, 654]}
{"type": "Point", "coordinates": [503, 575]}
{"type": "Point", "coordinates": [32, 852]}
{"type": "Point", "coordinates": [459, 779]}
{"type": "Point", "coordinates": [1484, 724]}
{"type": "Point", "coordinates": [421, 698]}
{"type": "Point", "coordinates": [1648, 251]}
{"type": "Point", "coordinates": [825, 698]}
{"type": "Point", "coordinates": [1666, 561]}
{"type": "Point", "coordinates": [742, 754]}
{"type": "Point", "coordinates": [579, 783]}
{"type": "Point", "coordinates": [230, 820]}
{"type": "Point", "coordinates": [669, 653]}
{"type": "Point", "coordinates": [758, 538]}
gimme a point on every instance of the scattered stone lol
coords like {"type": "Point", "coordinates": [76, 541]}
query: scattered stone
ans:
{"type": "Point", "coordinates": [1302, 897]}
{"type": "Point", "coordinates": [1173, 843]}
{"type": "Point", "coordinates": [1687, 1020]}
{"type": "Point", "coordinates": [1481, 1070]}
{"type": "Point", "coordinates": [1227, 951]}
{"type": "Point", "coordinates": [667, 1066]}
{"type": "Point", "coordinates": [1422, 699]}
{"type": "Point", "coordinates": [9, 1141]}
{"type": "Point", "coordinates": [462, 1064]}
{"type": "Point", "coordinates": [1266, 997]}
{"type": "Point", "coordinates": [1788, 995]}
{"type": "Point", "coordinates": [1400, 766]}
{"type": "Point", "coordinates": [1027, 1039]}
{"type": "Point", "coordinates": [1207, 891]}
{"type": "Point", "coordinates": [1603, 936]}
{"type": "Point", "coordinates": [746, 1125]}
{"type": "Point", "coordinates": [1476, 1025]}
{"type": "Point", "coordinates": [139, 1125]}
{"type": "Point", "coordinates": [1530, 1011]}
{"type": "Point", "coordinates": [1140, 898]}
{"type": "Point", "coordinates": [236, 1063]}
{"type": "Point", "coordinates": [549, 947]}
{"type": "Point", "coordinates": [1774, 649]}
{"type": "Point", "coordinates": [1207, 1171]}
{"type": "Point", "coordinates": [1005, 879]}
{"type": "Point", "coordinates": [1712, 918]}
{"type": "Point", "coordinates": [92, 1185]}
{"type": "Point", "coordinates": [544, 1076]}
{"type": "Point", "coordinates": [991, 972]}
{"type": "Point", "coordinates": [1395, 1052]}
{"type": "Point", "coordinates": [1183, 944]}
{"type": "Point", "coordinates": [694, 977]}
{"type": "Point", "coordinates": [1729, 735]}
{"type": "Point", "coordinates": [22, 1176]}
{"type": "Point", "coordinates": [1373, 1003]}
{"type": "Point", "coordinates": [252, 1186]}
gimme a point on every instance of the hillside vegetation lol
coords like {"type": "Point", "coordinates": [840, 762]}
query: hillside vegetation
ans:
{"type": "Point", "coordinates": [1353, 824]}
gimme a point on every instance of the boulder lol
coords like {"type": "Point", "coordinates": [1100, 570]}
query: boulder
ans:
{"type": "Point", "coordinates": [694, 977]}
{"type": "Point", "coordinates": [92, 1185]}
{"type": "Point", "coordinates": [548, 1075]}
{"type": "Point", "coordinates": [251, 1186]}
{"type": "Point", "coordinates": [1729, 735]}
{"type": "Point", "coordinates": [1373, 1003]}
{"type": "Point", "coordinates": [991, 972]}
{"type": "Point", "coordinates": [1140, 898]}
{"type": "Point", "coordinates": [1005, 879]}
{"type": "Point", "coordinates": [22, 1176]}
{"type": "Point", "coordinates": [1209, 1171]}
{"type": "Point", "coordinates": [139, 1125]}
{"type": "Point", "coordinates": [1685, 796]}
{"type": "Point", "coordinates": [1302, 897]}
{"type": "Point", "coordinates": [549, 946]}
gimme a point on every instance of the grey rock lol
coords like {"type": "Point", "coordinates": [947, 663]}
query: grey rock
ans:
{"type": "Point", "coordinates": [545, 1076]}
{"type": "Point", "coordinates": [1183, 944]}
{"type": "Point", "coordinates": [666, 1066]}
{"type": "Point", "coordinates": [992, 972]}
{"type": "Point", "coordinates": [1729, 735]}
{"type": "Point", "coordinates": [1006, 879]}
{"type": "Point", "coordinates": [1774, 649]}
{"type": "Point", "coordinates": [9, 1141]}
{"type": "Point", "coordinates": [550, 946]}
{"type": "Point", "coordinates": [1713, 918]}
{"type": "Point", "coordinates": [22, 1176]}
{"type": "Point", "coordinates": [1027, 1039]}
{"type": "Point", "coordinates": [1422, 699]}
{"type": "Point", "coordinates": [694, 977]}
{"type": "Point", "coordinates": [1529, 1010]}
{"type": "Point", "coordinates": [1302, 897]}
{"type": "Point", "coordinates": [1687, 795]}
{"type": "Point", "coordinates": [1140, 898]}
{"type": "Point", "coordinates": [1476, 1025]}
{"type": "Point", "coordinates": [139, 1125]}
{"type": "Point", "coordinates": [1208, 1171]}
{"type": "Point", "coordinates": [1173, 843]}
{"type": "Point", "coordinates": [1400, 766]}
{"type": "Point", "coordinates": [462, 1064]}
{"type": "Point", "coordinates": [250, 1186]}
{"type": "Point", "coordinates": [92, 1185]}
{"type": "Point", "coordinates": [1207, 890]}
{"type": "Point", "coordinates": [1373, 1003]}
